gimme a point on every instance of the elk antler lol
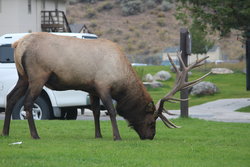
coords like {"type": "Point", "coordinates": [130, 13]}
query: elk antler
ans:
{"type": "Point", "coordinates": [180, 83]}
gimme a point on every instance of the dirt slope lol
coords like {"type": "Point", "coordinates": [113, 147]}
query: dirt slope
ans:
{"type": "Point", "coordinates": [145, 34]}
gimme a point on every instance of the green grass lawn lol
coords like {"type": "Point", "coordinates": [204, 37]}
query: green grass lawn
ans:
{"type": "Point", "coordinates": [230, 86]}
{"type": "Point", "coordinates": [198, 143]}
{"type": "Point", "coordinates": [71, 143]}
{"type": "Point", "coordinates": [244, 109]}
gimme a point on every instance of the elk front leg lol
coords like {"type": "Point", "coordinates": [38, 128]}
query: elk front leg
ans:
{"type": "Point", "coordinates": [95, 106]}
{"type": "Point", "coordinates": [107, 101]}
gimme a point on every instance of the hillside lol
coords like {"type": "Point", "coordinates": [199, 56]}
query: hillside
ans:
{"type": "Point", "coordinates": [142, 35]}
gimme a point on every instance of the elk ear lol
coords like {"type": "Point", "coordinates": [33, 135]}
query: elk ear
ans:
{"type": "Point", "coordinates": [150, 107]}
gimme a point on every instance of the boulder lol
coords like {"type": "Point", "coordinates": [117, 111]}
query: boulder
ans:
{"type": "Point", "coordinates": [162, 76]}
{"type": "Point", "coordinates": [204, 88]}
{"type": "Point", "coordinates": [154, 84]}
{"type": "Point", "coordinates": [221, 71]}
{"type": "Point", "coordinates": [149, 78]}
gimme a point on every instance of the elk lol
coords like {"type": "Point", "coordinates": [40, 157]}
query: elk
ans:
{"type": "Point", "coordinates": [95, 66]}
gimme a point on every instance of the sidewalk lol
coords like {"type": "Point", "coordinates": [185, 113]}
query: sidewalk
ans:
{"type": "Point", "coordinates": [220, 110]}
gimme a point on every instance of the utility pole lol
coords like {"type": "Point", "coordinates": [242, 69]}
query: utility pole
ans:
{"type": "Point", "coordinates": [185, 48]}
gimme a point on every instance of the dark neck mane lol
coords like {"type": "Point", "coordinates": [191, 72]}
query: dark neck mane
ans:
{"type": "Point", "coordinates": [132, 101]}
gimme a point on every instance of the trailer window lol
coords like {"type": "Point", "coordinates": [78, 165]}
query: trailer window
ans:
{"type": "Point", "coordinates": [6, 54]}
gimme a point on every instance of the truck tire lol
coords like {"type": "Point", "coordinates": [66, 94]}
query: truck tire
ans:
{"type": "Point", "coordinates": [41, 110]}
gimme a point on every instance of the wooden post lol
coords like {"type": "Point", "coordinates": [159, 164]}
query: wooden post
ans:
{"type": "Point", "coordinates": [184, 48]}
{"type": "Point", "coordinates": [248, 62]}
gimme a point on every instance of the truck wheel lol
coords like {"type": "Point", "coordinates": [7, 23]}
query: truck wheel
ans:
{"type": "Point", "coordinates": [41, 110]}
{"type": "Point", "coordinates": [69, 113]}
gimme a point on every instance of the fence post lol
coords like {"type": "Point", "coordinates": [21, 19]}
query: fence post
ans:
{"type": "Point", "coordinates": [185, 48]}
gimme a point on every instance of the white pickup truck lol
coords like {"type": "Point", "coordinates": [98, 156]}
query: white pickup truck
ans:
{"type": "Point", "coordinates": [50, 104]}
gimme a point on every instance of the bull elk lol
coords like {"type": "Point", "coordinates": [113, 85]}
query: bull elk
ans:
{"type": "Point", "coordinates": [95, 66]}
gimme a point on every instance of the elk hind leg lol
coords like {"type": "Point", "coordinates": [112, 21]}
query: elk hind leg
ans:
{"type": "Point", "coordinates": [32, 93]}
{"type": "Point", "coordinates": [95, 106]}
{"type": "Point", "coordinates": [12, 98]}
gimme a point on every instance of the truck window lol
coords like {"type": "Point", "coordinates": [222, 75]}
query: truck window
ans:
{"type": "Point", "coordinates": [6, 54]}
{"type": "Point", "coordinates": [88, 37]}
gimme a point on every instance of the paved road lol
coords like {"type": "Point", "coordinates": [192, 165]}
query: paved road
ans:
{"type": "Point", "coordinates": [220, 110]}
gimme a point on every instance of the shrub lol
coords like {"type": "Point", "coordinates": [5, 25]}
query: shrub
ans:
{"type": "Point", "coordinates": [162, 35]}
{"type": "Point", "coordinates": [161, 14]}
{"type": "Point", "coordinates": [131, 7]}
{"type": "Point", "coordinates": [142, 45]}
{"type": "Point", "coordinates": [146, 25]}
{"type": "Point", "coordinates": [105, 7]}
{"type": "Point", "coordinates": [131, 29]}
{"type": "Point", "coordinates": [93, 24]}
{"type": "Point", "coordinates": [161, 22]}
{"type": "Point", "coordinates": [150, 4]}
{"type": "Point", "coordinates": [166, 6]}
{"type": "Point", "coordinates": [110, 31]}
{"type": "Point", "coordinates": [91, 13]}
{"type": "Point", "coordinates": [118, 32]}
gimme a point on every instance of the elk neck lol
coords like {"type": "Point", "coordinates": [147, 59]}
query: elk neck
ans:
{"type": "Point", "coordinates": [133, 99]}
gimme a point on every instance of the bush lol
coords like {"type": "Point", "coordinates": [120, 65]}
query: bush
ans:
{"type": "Point", "coordinates": [166, 6]}
{"type": "Point", "coordinates": [131, 7]}
{"type": "Point", "coordinates": [93, 24]}
{"type": "Point", "coordinates": [142, 45]}
{"type": "Point", "coordinates": [105, 7]}
{"type": "Point", "coordinates": [161, 22]}
{"type": "Point", "coordinates": [91, 13]}
{"type": "Point", "coordinates": [150, 4]}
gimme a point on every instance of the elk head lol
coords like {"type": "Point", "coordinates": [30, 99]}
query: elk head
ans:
{"type": "Point", "coordinates": [145, 127]}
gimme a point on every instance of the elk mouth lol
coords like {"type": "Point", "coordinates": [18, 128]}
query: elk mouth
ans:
{"type": "Point", "coordinates": [147, 138]}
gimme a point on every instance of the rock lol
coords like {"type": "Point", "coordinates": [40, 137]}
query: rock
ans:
{"type": "Point", "coordinates": [162, 76]}
{"type": "Point", "coordinates": [221, 71]}
{"type": "Point", "coordinates": [204, 88]}
{"type": "Point", "coordinates": [149, 78]}
{"type": "Point", "coordinates": [154, 84]}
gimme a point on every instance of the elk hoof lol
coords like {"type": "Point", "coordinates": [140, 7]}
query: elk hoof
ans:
{"type": "Point", "coordinates": [35, 137]}
{"type": "Point", "coordinates": [98, 136]}
{"type": "Point", "coordinates": [117, 138]}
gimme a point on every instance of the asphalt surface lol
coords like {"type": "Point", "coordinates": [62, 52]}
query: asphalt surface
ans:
{"type": "Point", "coordinates": [220, 110]}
